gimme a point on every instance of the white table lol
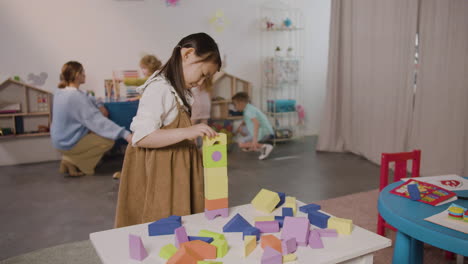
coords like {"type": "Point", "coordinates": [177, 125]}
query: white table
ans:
{"type": "Point", "coordinates": [112, 245]}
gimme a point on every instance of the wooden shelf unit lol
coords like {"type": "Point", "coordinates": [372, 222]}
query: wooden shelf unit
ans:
{"type": "Point", "coordinates": [36, 104]}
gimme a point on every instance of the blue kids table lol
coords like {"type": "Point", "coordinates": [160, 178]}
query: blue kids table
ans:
{"type": "Point", "coordinates": [408, 216]}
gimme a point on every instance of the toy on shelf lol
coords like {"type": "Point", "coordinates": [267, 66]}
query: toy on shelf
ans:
{"type": "Point", "coordinates": [216, 177]}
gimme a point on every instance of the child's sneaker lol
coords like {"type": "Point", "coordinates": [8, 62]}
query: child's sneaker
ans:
{"type": "Point", "coordinates": [266, 150]}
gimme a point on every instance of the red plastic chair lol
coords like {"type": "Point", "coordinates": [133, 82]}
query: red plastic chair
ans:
{"type": "Point", "coordinates": [400, 160]}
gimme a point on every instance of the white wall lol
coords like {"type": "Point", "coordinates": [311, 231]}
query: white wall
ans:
{"type": "Point", "coordinates": [106, 35]}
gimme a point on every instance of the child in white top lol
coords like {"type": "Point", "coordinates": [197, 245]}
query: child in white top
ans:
{"type": "Point", "coordinates": [162, 174]}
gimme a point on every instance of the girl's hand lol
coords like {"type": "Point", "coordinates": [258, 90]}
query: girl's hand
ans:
{"type": "Point", "coordinates": [200, 130]}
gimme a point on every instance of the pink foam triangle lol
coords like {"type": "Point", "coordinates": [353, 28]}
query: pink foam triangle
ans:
{"type": "Point", "coordinates": [137, 250]}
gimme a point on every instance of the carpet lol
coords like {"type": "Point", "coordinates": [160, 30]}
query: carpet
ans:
{"type": "Point", "coordinates": [360, 207]}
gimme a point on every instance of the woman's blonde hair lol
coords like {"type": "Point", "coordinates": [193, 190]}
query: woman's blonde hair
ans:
{"type": "Point", "coordinates": [69, 72]}
{"type": "Point", "coordinates": [151, 63]}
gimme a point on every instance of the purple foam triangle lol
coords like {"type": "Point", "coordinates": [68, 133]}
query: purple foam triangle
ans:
{"type": "Point", "coordinates": [180, 236]}
{"type": "Point", "coordinates": [271, 256]}
{"type": "Point", "coordinates": [314, 239]}
{"type": "Point", "coordinates": [137, 250]}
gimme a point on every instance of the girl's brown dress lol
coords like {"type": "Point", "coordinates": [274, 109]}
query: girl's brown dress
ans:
{"type": "Point", "coordinates": [157, 183]}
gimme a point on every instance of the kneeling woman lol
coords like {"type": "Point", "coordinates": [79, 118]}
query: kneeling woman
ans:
{"type": "Point", "coordinates": [79, 129]}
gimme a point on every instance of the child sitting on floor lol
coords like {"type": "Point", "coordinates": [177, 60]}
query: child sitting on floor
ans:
{"type": "Point", "coordinates": [258, 128]}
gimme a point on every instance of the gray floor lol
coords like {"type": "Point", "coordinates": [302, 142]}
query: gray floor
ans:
{"type": "Point", "coordinates": [40, 208]}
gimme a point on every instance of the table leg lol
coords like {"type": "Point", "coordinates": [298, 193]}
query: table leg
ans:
{"type": "Point", "coordinates": [416, 251]}
{"type": "Point", "coordinates": [402, 249]}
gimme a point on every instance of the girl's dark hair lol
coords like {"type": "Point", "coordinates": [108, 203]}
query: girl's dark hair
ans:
{"type": "Point", "coordinates": [205, 47]}
{"type": "Point", "coordinates": [69, 72]}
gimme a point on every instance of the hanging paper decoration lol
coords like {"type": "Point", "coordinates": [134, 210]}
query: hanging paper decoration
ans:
{"type": "Point", "coordinates": [172, 2]}
{"type": "Point", "coordinates": [219, 21]}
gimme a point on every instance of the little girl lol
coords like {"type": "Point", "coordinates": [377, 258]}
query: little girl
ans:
{"type": "Point", "coordinates": [162, 174]}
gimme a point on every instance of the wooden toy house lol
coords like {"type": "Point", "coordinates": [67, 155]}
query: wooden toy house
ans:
{"type": "Point", "coordinates": [25, 111]}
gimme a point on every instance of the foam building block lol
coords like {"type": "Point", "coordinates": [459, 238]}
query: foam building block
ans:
{"type": "Point", "coordinates": [204, 239]}
{"type": "Point", "coordinates": [236, 224]}
{"type": "Point", "coordinates": [287, 211]}
{"type": "Point", "coordinates": [289, 257]}
{"type": "Point", "coordinates": [167, 251]}
{"type": "Point", "coordinates": [318, 219]}
{"type": "Point", "coordinates": [309, 207]}
{"type": "Point", "coordinates": [314, 239]}
{"type": "Point", "coordinates": [280, 220]}
{"type": "Point", "coordinates": [250, 243]}
{"type": "Point", "coordinates": [207, 233]}
{"type": "Point", "coordinates": [296, 227]}
{"type": "Point", "coordinates": [184, 256]}
{"type": "Point", "coordinates": [215, 156]}
{"type": "Point", "coordinates": [342, 226]}
{"type": "Point", "coordinates": [268, 226]}
{"type": "Point", "coordinates": [289, 246]}
{"type": "Point", "coordinates": [264, 218]}
{"type": "Point", "coordinates": [413, 191]}
{"type": "Point", "coordinates": [210, 215]}
{"type": "Point", "coordinates": [291, 203]}
{"type": "Point", "coordinates": [216, 204]}
{"type": "Point", "coordinates": [251, 231]}
{"type": "Point", "coordinates": [216, 183]}
{"type": "Point", "coordinates": [216, 178]}
{"type": "Point", "coordinates": [327, 232]}
{"type": "Point", "coordinates": [180, 236]}
{"type": "Point", "coordinates": [221, 139]}
{"type": "Point", "coordinates": [221, 247]}
{"type": "Point", "coordinates": [282, 197]}
{"type": "Point", "coordinates": [136, 248]}
{"type": "Point", "coordinates": [165, 226]}
{"type": "Point", "coordinates": [265, 201]}
{"type": "Point", "coordinates": [271, 241]}
{"type": "Point", "coordinates": [271, 256]}
{"type": "Point", "coordinates": [203, 249]}
{"type": "Point", "coordinates": [209, 262]}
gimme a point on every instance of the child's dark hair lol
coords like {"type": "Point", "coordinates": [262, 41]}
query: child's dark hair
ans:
{"type": "Point", "coordinates": [69, 72]}
{"type": "Point", "coordinates": [205, 47]}
{"type": "Point", "coordinates": [241, 97]}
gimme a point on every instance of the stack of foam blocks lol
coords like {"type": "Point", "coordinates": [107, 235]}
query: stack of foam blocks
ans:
{"type": "Point", "coordinates": [216, 178]}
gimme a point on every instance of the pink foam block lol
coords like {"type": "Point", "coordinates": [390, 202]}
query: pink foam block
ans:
{"type": "Point", "coordinates": [212, 214]}
{"type": "Point", "coordinates": [180, 236]}
{"type": "Point", "coordinates": [289, 245]}
{"type": "Point", "coordinates": [297, 227]}
{"type": "Point", "coordinates": [267, 226]}
{"type": "Point", "coordinates": [327, 232]}
{"type": "Point", "coordinates": [136, 248]}
{"type": "Point", "coordinates": [271, 256]}
{"type": "Point", "coordinates": [314, 239]}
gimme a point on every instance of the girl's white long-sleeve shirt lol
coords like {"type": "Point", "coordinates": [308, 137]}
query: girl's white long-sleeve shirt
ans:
{"type": "Point", "coordinates": [157, 107]}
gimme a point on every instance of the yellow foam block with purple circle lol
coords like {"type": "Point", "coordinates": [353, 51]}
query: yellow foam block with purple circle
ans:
{"type": "Point", "coordinates": [215, 156]}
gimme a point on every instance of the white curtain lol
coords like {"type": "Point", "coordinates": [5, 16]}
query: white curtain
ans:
{"type": "Point", "coordinates": [370, 77]}
{"type": "Point", "coordinates": [440, 123]}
